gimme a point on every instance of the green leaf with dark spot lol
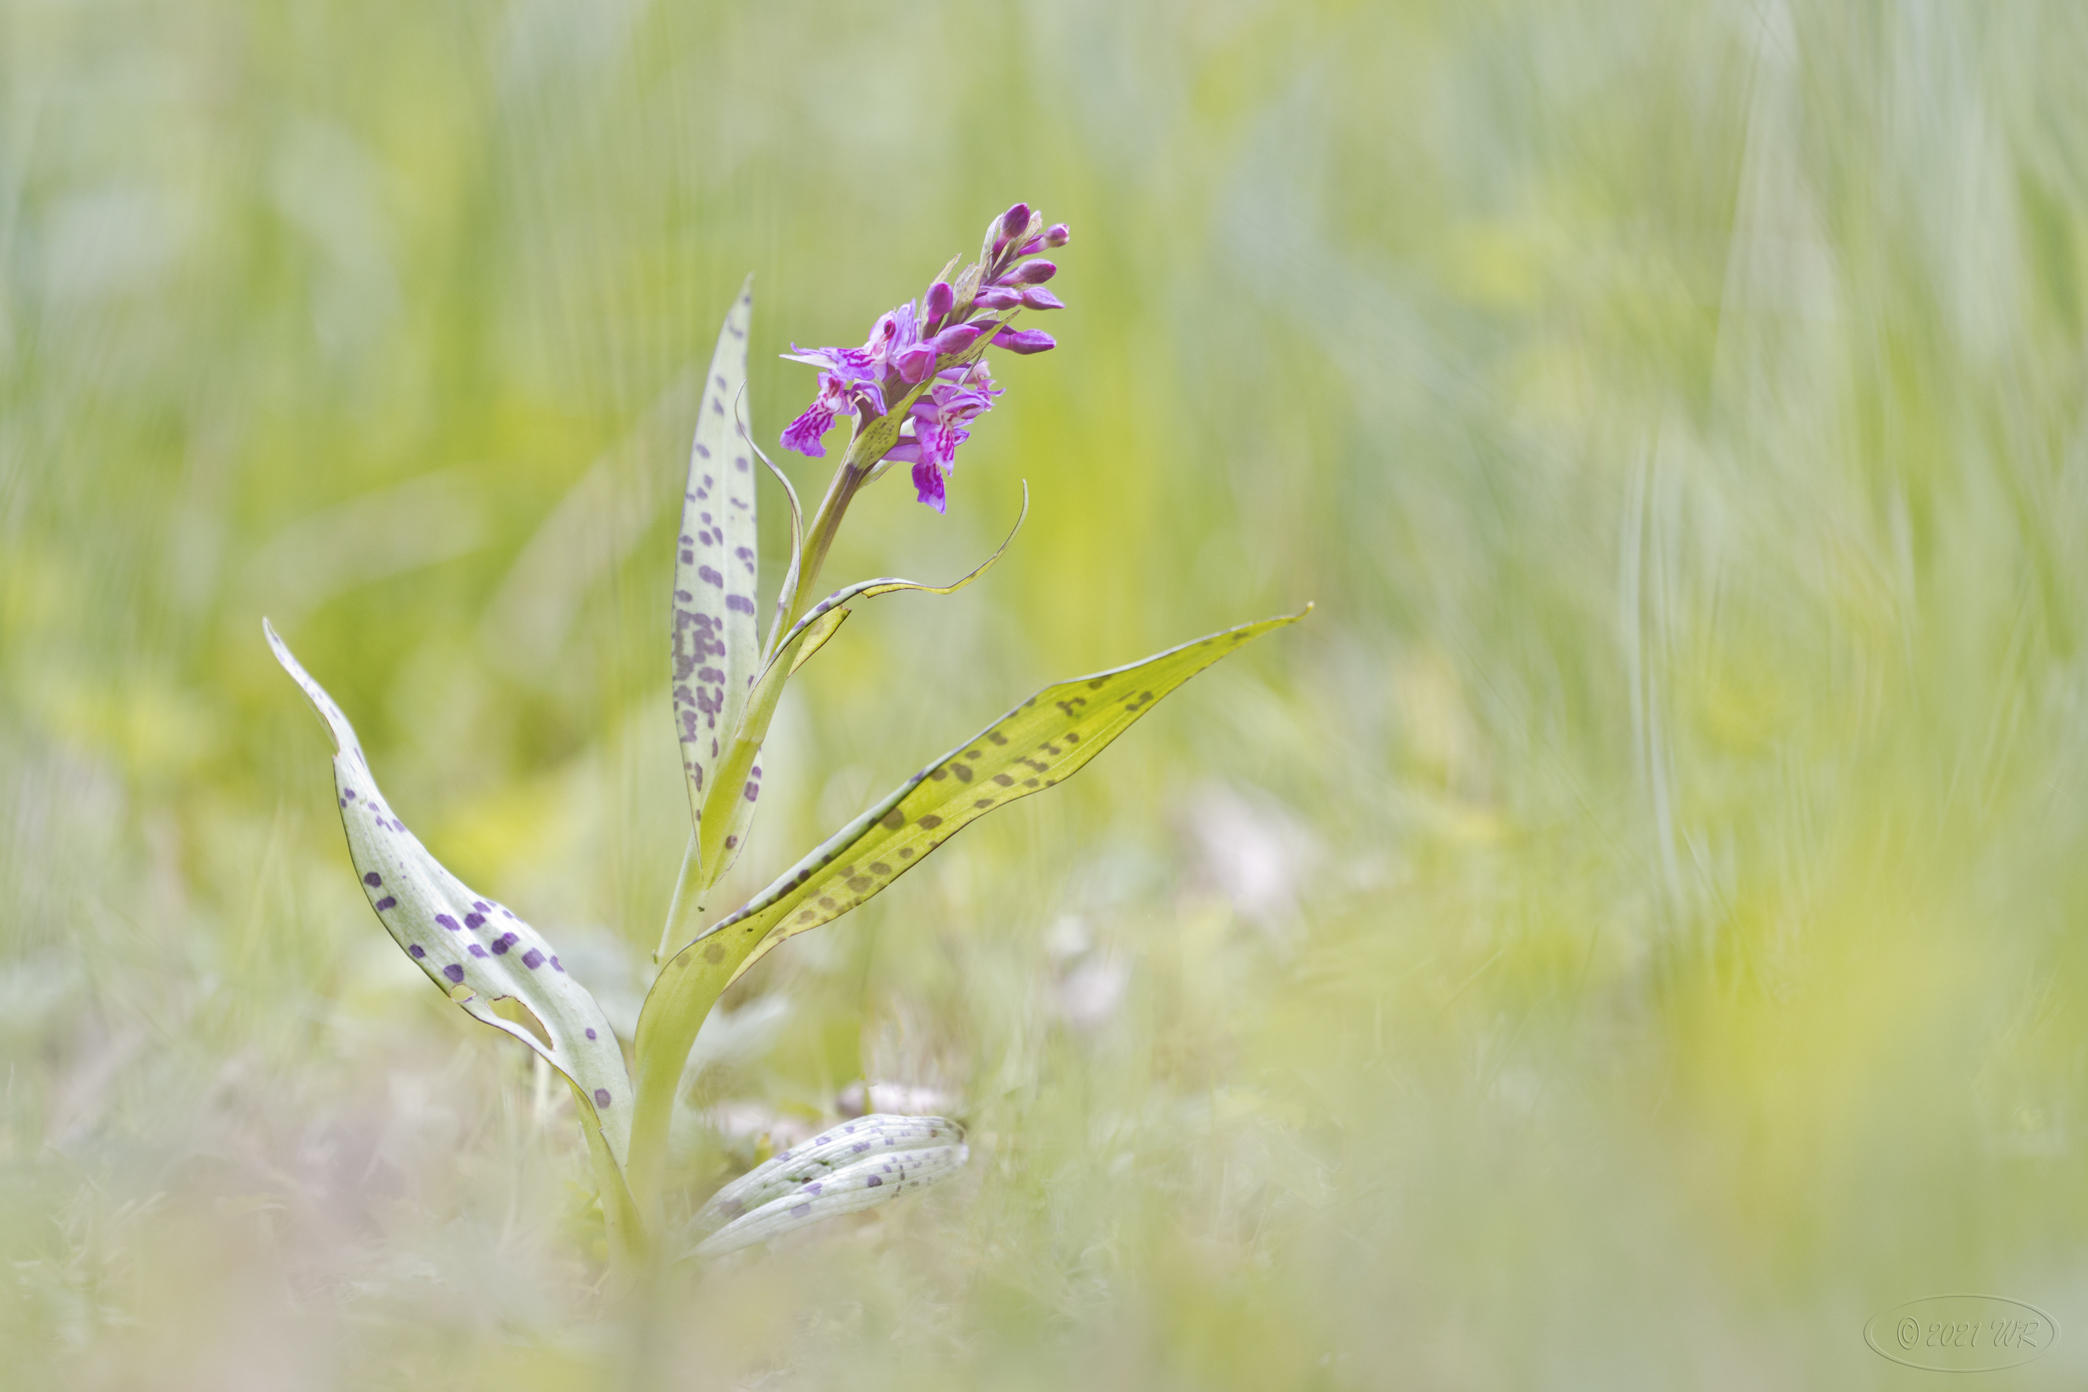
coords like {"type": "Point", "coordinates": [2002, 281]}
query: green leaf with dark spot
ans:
{"type": "Point", "coordinates": [865, 1181]}
{"type": "Point", "coordinates": [1042, 741]}
{"type": "Point", "coordinates": [474, 949]}
{"type": "Point", "coordinates": [826, 627]}
{"type": "Point", "coordinates": [729, 813]}
{"type": "Point", "coordinates": [1039, 743]}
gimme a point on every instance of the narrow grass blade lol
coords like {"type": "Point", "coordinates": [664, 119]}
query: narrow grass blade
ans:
{"type": "Point", "coordinates": [1039, 743]}
{"type": "Point", "coordinates": [474, 949]}
{"type": "Point", "coordinates": [716, 646]}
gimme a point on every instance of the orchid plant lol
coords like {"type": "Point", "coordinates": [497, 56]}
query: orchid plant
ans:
{"type": "Point", "coordinates": [912, 393]}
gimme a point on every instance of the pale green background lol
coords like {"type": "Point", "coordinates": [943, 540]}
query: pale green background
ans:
{"type": "Point", "coordinates": [1628, 936]}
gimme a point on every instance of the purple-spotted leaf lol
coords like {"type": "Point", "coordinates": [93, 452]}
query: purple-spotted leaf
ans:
{"type": "Point", "coordinates": [732, 815]}
{"type": "Point", "coordinates": [717, 648]}
{"type": "Point", "coordinates": [476, 950]}
{"type": "Point", "coordinates": [880, 1133]}
{"type": "Point", "coordinates": [855, 1166]}
{"type": "Point", "coordinates": [1041, 742]}
{"type": "Point", "coordinates": [703, 865]}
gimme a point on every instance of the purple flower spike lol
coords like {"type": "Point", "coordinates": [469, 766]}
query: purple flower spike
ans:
{"type": "Point", "coordinates": [1025, 341]}
{"type": "Point", "coordinates": [902, 365]}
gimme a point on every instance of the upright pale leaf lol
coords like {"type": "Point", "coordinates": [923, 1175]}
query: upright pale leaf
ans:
{"type": "Point", "coordinates": [1039, 743]}
{"type": "Point", "coordinates": [716, 647]}
{"type": "Point", "coordinates": [475, 949]}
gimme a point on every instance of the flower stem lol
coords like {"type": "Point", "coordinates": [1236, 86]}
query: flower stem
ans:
{"type": "Point", "coordinates": [686, 903]}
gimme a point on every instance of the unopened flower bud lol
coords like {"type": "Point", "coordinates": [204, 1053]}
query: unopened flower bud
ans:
{"type": "Point", "coordinates": [1025, 341]}
{"type": "Point", "coordinates": [1055, 235]}
{"type": "Point", "coordinates": [958, 313]}
{"type": "Point", "coordinates": [936, 303]}
{"type": "Point", "coordinates": [954, 339]}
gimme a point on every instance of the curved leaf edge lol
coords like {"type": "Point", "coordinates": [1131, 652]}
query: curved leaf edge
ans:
{"type": "Point", "coordinates": [475, 1001]}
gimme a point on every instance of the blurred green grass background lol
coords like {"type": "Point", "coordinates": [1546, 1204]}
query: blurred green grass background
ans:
{"type": "Point", "coordinates": [1628, 936]}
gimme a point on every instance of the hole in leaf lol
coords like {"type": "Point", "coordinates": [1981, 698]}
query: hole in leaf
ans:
{"type": "Point", "coordinates": [515, 1012]}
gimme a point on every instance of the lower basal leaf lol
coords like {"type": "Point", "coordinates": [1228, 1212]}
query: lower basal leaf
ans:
{"type": "Point", "coordinates": [474, 948]}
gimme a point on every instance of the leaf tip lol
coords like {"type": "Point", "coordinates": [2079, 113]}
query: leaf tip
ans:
{"type": "Point", "coordinates": [337, 727]}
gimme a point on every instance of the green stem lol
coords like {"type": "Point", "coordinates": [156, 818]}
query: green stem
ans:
{"type": "Point", "coordinates": [702, 861]}
{"type": "Point", "coordinates": [848, 480]}
{"type": "Point", "coordinates": [868, 444]}
{"type": "Point", "coordinates": [686, 904]}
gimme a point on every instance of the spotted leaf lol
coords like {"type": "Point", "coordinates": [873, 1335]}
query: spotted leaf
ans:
{"type": "Point", "coordinates": [732, 814]}
{"type": "Point", "coordinates": [1041, 742]}
{"type": "Point", "coordinates": [475, 949]}
{"type": "Point", "coordinates": [877, 1177]}
{"type": "Point", "coordinates": [865, 1137]}
{"type": "Point", "coordinates": [716, 646]}
{"type": "Point", "coordinates": [826, 627]}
